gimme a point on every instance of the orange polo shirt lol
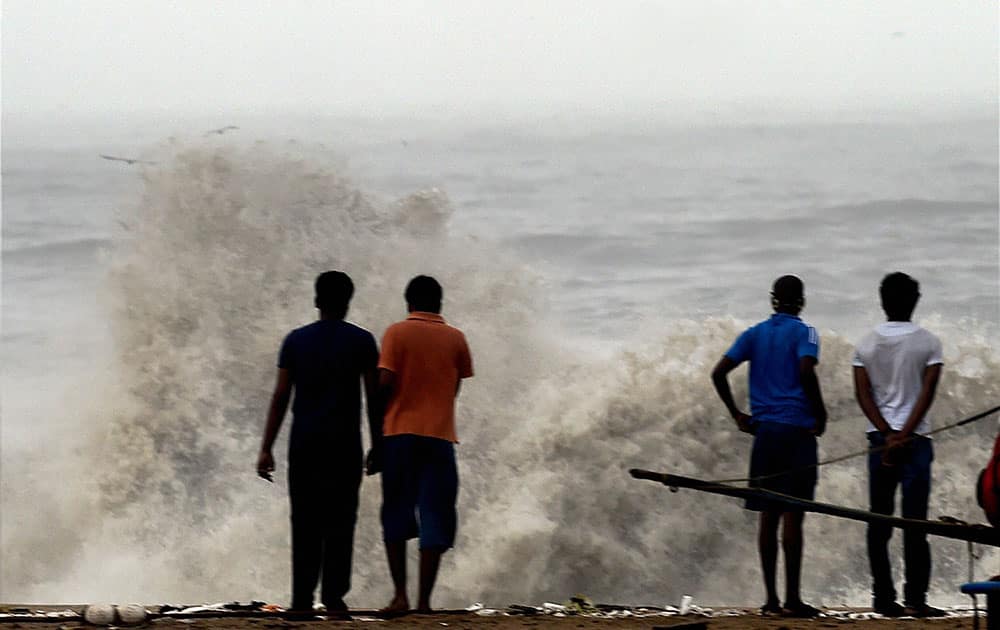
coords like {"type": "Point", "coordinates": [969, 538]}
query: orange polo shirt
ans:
{"type": "Point", "coordinates": [429, 358]}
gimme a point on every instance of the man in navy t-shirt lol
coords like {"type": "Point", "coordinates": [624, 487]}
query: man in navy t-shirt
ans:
{"type": "Point", "coordinates": [324, 363]}
{"type": "Point", "coordinates": [788, 416]}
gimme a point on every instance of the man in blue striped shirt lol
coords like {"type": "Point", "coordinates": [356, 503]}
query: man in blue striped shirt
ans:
{"type": "Point", "coordinates": [788, 416]}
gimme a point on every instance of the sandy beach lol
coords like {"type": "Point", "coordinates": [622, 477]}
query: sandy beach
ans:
{"type": "Point", "coordinates": [729, 619]}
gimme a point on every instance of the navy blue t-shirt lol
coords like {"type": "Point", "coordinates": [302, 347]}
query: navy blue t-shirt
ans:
{"type": "Point", "coordinates": [774, 348]}
{"type": "Point", "coordinates": [326, 360]}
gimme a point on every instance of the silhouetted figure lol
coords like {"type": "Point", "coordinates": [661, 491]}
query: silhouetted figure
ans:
{"type": "Point", "coordinates": [324, 363]}
{"type": "Point", "coordinates": [421, 368]}
{"type": "Point", "coordinates": [788, 416]}
{"type": "Point", "coordinates": [896, 371]}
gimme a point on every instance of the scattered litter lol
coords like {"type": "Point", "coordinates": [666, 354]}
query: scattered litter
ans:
{"type": "Point", "coordinates": [685, 606]}
{"type": "Point", "coordinates": [579, 604]}
{"type": "Point", "coordinates": [220, 607]}
{"type": "Point", "coordinates": [489, 612]}
{"type": "Point", "coordinates": [60, 614]}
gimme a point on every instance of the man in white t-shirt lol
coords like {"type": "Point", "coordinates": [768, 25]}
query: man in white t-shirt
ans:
{"type": "Point", "coordinates": [896, 371]}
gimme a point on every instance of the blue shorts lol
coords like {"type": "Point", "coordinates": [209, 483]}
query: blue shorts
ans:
{"type": "Point", "coordinates": [419, 490]}
{"type": "Point", "coordinates": [782, 448]}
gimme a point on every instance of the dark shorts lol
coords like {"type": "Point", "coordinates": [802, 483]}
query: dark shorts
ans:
{"type": "Point", "coordinates": [419, 490]}
{"type": "Point", "coordinates": [785, 455]}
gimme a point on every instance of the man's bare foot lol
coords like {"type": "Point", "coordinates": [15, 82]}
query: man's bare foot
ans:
{"type": "Point", "coordinates": [399, 604]}
{"type": "Point", "coordinates": [424, 610]}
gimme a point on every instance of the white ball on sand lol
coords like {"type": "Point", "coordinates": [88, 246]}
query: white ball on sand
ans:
{"type": "Point", "coordinates": [99, 614]}
{"type": "Point", "coordinates": [132, 614]}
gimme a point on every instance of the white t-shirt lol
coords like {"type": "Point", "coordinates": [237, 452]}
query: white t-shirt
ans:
{"type": "Point", "coordinates": [895, 356]}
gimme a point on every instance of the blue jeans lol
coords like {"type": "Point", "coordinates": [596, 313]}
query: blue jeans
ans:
{"type": "Point", "coordinates": [911, 471]}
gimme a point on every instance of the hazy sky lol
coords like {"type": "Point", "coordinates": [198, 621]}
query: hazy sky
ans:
{"type": "Point", "coordinates": [376, 58]}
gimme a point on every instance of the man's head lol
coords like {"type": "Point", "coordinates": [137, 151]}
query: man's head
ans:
{"type": "Point", "coordinates": [333, 293]}
{"type": "Point", "coordinates": [423, 293]}
{"type": "Point", "coordinates": [899, 294]}
{"type": "Point", "coordinates": [788, 295]}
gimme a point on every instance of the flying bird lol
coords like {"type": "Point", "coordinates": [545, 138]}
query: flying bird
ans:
{"type": "Point", "coordinates": [129, 161]}
{"type": "Point", "coordinates": [221, 130]}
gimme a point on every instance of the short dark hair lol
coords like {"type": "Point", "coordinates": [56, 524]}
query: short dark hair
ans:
{"type": "Point", "coordinates": [899, 293]}
{"type": "Point", "coordinates": [423, 293]}
{"type": "Point", "coordinates": [334, 290]}
{"type": "Point", "coordinates": [788, 292]}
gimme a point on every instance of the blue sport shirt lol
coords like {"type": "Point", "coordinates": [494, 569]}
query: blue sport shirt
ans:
{"type": "Point", "coordinates": [774, 348]}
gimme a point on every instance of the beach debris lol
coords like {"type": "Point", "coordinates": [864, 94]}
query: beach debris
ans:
{"type": "Point", "coordinates": [132, 614]}
{"type": "Point", "coordinates": [220, 607]}
{"type": "Point", "coordinates": [99, 614]}
{"type": "Point", "coordinates": [475, 607]}
{"type": "Point", "coordinates": [685, 606]}
{"type": "Point", "coordinates": [489, 612]}
{"type": "Point", "coordinates": [579, 604]}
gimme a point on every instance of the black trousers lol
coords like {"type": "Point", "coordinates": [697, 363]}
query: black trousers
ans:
{"type": "Point", "coordinates": [912, 473]}
{"type": "Point", "coordinates": [323, 488]}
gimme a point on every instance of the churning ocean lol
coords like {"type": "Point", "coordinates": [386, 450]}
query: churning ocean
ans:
{"type": "Point", "coordinates": [599, 270]}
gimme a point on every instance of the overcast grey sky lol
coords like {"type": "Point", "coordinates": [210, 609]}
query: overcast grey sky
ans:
{"type": "Point", "coordinates": [386, 58]}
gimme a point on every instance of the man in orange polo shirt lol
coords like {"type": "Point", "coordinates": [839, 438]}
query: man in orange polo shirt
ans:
{"type": "Point", "coordinates": [421, 367]}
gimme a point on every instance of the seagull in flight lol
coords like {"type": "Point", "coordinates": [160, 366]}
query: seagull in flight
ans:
{"type": "Point", "coordinates": [129, 161]}
{"type": "Point", "coordinates": [221, 130]}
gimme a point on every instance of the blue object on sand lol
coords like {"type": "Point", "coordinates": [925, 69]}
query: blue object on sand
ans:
{"type": "Point", "coordinates": [981, 588]}
{"type": "Point", "coordinates": [992, 591]}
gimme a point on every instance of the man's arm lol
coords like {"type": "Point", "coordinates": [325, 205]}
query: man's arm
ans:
{"type": "Point", "coordinates": [932, 373]}
{"type": "Point", "coordinates": [721, 381]}
{"type": "Point", "coordinates": [275, 416]}
{"type": "Point", "coordinates": [863, 394]}
{"type": "Point", "coordinates": [383, 391]}
{"type": "Point", "coordinates": [810, 385]}
{"type": "Point", "coordinates": [374, 404]}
